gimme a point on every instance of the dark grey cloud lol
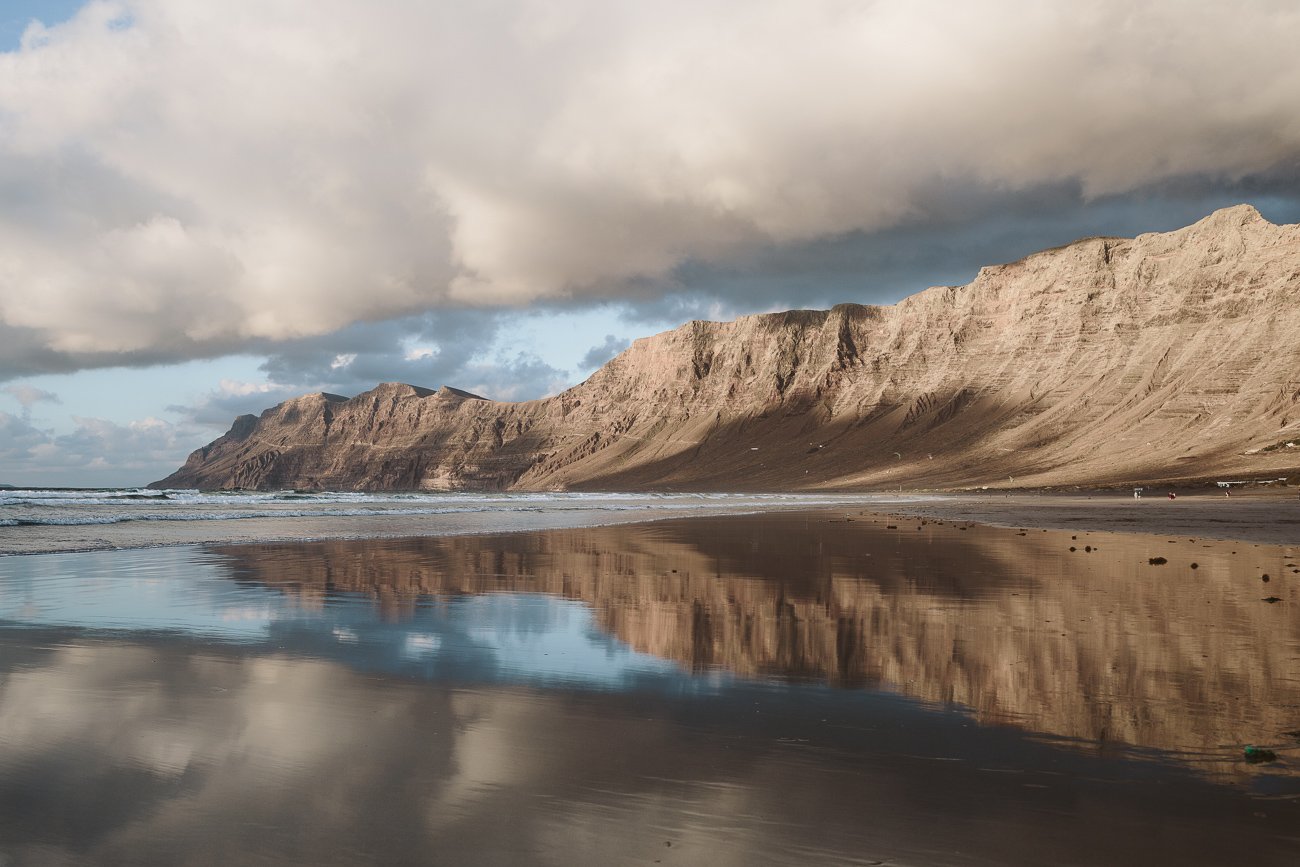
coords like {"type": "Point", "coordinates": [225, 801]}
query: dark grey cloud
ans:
{"type": "Point", "coordinates": [18, 436]}
{"type": "Point", "coordinates": [451, 347]}
{"type": "Point", "coordinates": [959, 232]}
{"type": "Point", "coordinates": [229, 400]}
{"type": "Point", "coordinates": [598, 355]}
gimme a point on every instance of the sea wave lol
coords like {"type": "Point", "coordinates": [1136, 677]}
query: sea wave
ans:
{"type": "Point", "coordinates": [127, 496]}
{"type": "Point", "coordinates": [189, 506]}
{"type": "Point", "coordinates": [74, 520]}
{"type": "Point", "coordinates": [82, 520]}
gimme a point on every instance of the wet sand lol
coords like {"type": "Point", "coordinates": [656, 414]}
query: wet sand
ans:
{"type": "Point", "coordinates": [768, 689]}
{"type": "Point", "coordinates": [1269, 516]}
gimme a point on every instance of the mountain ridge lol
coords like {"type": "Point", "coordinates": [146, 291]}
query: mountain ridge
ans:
{"type": "Point", "coordinates": [1104, 361]}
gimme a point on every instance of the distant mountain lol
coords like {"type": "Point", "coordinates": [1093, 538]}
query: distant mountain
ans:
{"type": "Point", "coordinates": [1165, 357]}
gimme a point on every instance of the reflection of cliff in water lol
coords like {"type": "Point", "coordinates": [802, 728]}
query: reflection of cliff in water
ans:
{"type": "Point", "coordinates": [1100, 645]}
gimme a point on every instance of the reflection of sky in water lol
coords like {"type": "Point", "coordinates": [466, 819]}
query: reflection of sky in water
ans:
{"type": "Point", "coordinates": [505, 637]}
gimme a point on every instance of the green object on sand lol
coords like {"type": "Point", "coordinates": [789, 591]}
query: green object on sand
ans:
{"type": "Point", "coordinates": [1258, 755]}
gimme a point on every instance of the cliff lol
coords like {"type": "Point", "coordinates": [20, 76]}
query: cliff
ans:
{"type": "Point", "coordinates": [1168, 356]}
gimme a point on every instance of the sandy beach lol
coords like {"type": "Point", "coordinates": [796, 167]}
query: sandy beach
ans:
{"type": "Point", "coordinates": [1269, 516]}
{"type": "Point", "coordinates": [787, 688]}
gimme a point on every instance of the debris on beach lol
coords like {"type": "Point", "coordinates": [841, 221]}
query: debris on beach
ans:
{"type": "Point", "coordinates": [1157, 561]}
{"type": "Point", "coordinates": [1259, 755]}
{"type": "Point", "coordinates": [1271, 599]}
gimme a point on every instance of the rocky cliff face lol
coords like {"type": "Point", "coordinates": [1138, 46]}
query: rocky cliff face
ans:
{"type": "Point", "coordinates": [1168, 356]}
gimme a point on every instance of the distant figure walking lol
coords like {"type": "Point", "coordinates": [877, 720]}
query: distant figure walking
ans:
{"type": "Point", "coordinates": [1137, 493]}
{"type": "Point", "coordinates": [1172, 495]}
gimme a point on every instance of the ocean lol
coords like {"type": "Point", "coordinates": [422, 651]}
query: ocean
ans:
{"type": "Point", "coordinates": [50, 520]}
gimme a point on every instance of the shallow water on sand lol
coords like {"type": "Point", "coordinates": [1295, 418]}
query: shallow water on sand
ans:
{"type": "Point", "coordinates": [55, 520]}
{"type": "Point", "coordinates": [785, 689]}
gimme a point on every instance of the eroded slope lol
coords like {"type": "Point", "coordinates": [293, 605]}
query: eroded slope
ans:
{"type": "Point", "coordinates": [1108, 360]}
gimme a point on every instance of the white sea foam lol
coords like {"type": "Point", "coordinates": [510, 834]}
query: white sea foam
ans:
{"type": "Point", "coordinates": [76, 520]}
{"type": "Point", "coordinates": [44, 520]}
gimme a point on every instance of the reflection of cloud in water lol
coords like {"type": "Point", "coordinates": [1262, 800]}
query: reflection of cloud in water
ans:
{"type": "Point", "coordinates": [541, 637]}
{"type": "Point", "coordinates": [420, 645]}
{"type": "Point", "coordinates": [513, 637]}
{"type": "Point", "coordinates": [164, 589]}
{"type": "Point", "coordinates": [166, 751]}
{"type": "Point", "coordinates": [259, 614]}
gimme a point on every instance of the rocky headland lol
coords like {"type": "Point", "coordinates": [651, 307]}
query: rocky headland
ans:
{"type": "Point", "coordinates": [1167, 357]}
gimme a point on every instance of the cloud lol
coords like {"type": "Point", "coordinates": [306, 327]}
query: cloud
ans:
{"type": "Point", "coordinates": [523, 376]}
{"type": "Point", "coordinates": [28, 396]}
{"type": "Point", "coordinates": [470, 350]}
{"type": "Point", "coordinates": [598, 355]}
{"type": "Point", "coordinates": [18, 437]}
{"type": "Point", "coordinates": [230, 178]}
{"type": "Point", "coordinates": [944, 246]}
{"type": "Point", "coordinates": [96, 451]}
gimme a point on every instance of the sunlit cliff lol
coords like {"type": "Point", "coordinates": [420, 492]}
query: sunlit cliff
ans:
{"type": "Point", "coordinates": [1167, 356]}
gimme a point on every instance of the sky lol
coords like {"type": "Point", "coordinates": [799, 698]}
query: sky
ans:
{"type": "Point", "coordinates": [208, 208]}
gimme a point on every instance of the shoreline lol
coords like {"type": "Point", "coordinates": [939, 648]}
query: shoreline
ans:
{"type": "Point", "coordinates": [1262, 517]}
{"type": "Point", "coordinates": [270, 528]}
{"type": "Point", "coordinates": [1266, 516]}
